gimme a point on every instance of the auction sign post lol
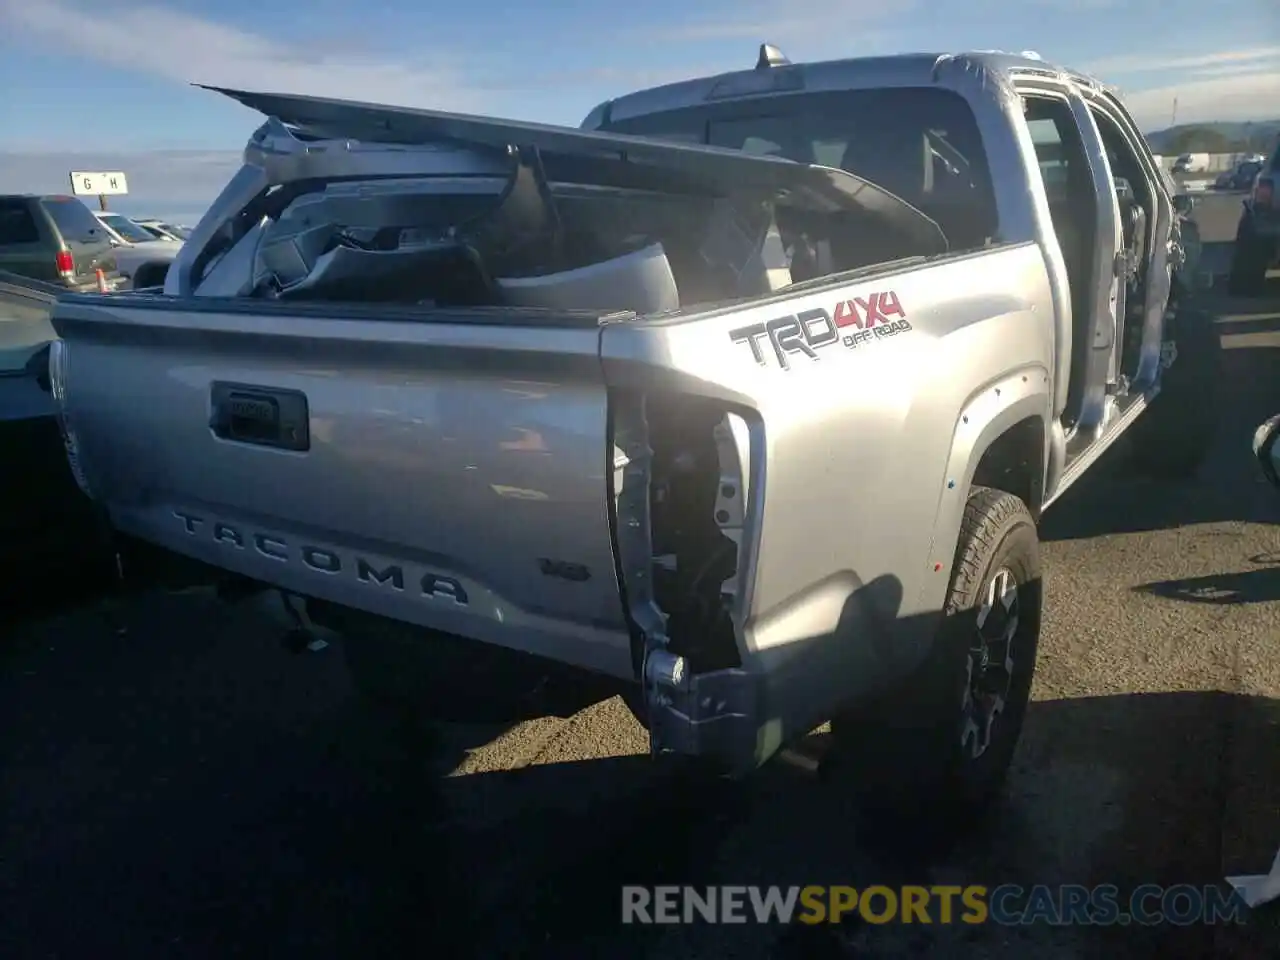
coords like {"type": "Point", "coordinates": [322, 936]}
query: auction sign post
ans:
{"type": "Point", "coordinates": [102, 185]}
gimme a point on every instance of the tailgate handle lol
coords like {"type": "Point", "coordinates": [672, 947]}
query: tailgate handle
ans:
{"type": "Point", "coordinates": [263, 416]}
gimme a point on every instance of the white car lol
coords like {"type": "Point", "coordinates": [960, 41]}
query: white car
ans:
{"type": "Point", "coordinates": [141, 257]}
{"type": "Point", "coordinates": [163, 230]}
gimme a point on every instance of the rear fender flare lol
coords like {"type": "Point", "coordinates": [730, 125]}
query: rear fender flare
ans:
{"type": "Point", "coordinates": [987, 415]}
{"type": "Point", "coordinates": [145, 273]}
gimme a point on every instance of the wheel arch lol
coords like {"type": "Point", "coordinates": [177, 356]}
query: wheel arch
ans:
{"type": "Point", "coordinates": [150, 273]}
{"type": "Point", "coordinates": [1001, 440]}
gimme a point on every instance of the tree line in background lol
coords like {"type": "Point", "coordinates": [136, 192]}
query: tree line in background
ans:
{"type": "Point", "coordinates": [1256, 137]}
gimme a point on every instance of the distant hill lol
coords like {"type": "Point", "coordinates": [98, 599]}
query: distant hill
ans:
{"type": "Point", "coordinates": [1254, 136]}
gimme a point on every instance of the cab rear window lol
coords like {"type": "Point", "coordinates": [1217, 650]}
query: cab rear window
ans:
{"type": "Point", "coordinates": [73, 219]}
{"type": "Point", "coordinates": [920, 143]}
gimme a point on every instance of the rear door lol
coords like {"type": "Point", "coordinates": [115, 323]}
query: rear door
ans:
{"type": "Point", "coordinates": [1109, 290]}
{"type": "Point", "coordinates": [1085, 212]}
{"type": "Point", "coordinates": [1172, 242]}
{"type": "Point", "coordinates": [82, 236]}
{"type": "Point", "coordinates": [22, 250]}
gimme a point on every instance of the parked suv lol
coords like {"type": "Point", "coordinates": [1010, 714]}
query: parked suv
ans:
{"type": "Point", "coordinates": [55, 239]}
{"type": "Point", "coordinates": [1258, 234]}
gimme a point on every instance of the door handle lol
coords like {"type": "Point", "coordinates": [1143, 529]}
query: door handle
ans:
{"type": "Point", "coordinates": [263, 416]}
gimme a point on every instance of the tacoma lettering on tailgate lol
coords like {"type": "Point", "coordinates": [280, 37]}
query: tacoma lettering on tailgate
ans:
{"type": "Point", "coordinates": [857, 320]}
{"type": "Point", "coordinates": [322, 559]}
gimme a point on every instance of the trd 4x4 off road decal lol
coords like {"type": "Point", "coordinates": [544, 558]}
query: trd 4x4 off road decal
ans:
{"type": "Point", "coordinates": [857, 321]}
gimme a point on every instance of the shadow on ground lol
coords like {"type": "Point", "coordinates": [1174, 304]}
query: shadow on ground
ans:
{"type": "Point", "coordinates": [203, 794]}
{"type": "Point", "coordinates": [1260, 585]}
{"type": "Point", "coordinates": [1116, 498]}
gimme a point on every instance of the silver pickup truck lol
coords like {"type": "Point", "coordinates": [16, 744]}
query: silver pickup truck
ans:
{"type": "Point", "coordinates": [748, 394]}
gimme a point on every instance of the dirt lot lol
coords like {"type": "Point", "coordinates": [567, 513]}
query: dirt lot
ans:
{"type": "Point", "coordinates": [175, 784]}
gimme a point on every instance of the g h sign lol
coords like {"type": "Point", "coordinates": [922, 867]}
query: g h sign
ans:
{"type": "Point", "coordinates": [91, 184]}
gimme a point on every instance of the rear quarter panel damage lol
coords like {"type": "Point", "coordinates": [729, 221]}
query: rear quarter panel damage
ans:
{"type": "Point", "coordinates": [857, 438]}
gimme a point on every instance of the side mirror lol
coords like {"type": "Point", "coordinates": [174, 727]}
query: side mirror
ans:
{"type": "Point", "coordinates": [1266, 447]}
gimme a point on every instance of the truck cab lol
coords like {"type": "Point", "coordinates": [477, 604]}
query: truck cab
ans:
{"type": "Point", "coordinates": [1068, 169]}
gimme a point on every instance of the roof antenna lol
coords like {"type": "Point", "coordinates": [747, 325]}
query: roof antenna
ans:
{"type": "Point", "coordinates": [770, 56]}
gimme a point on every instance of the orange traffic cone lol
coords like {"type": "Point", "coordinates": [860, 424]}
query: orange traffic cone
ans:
{"type": "Point", "coordinates": [102, 280]}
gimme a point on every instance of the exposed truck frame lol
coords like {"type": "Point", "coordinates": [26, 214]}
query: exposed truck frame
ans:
{"type": "Point", "coordinates": [815, 499]}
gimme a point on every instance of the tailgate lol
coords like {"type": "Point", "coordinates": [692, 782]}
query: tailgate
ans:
{"type": "Point", "coordinates": [432, 467]}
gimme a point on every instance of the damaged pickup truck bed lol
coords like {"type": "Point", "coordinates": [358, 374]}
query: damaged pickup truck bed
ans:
{"type": "Point", "coordinates": [749, 393]}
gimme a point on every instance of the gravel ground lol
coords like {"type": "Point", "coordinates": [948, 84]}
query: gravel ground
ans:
{"type": "Point", "coordinates": [175, 784]}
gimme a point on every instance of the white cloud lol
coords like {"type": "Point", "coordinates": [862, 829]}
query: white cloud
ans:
{"type": "Point", "coordinates": [1259, 59]}
{"type": "Point", "coordinates": [1249, 96]}
{"type": "Point", "coordinates": [1229, 70]}
{"type": "Point", "coordinates": [1241, 84]}
{"type": "Point", "coordinates": [196, 49]}
{"type": "Point", "coordinates": [128, 35]}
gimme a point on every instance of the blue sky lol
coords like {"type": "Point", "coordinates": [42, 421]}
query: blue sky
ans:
{"type": "Point", "coordinates": [106, 84]}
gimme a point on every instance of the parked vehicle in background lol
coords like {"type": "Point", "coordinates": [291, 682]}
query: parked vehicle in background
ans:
{"type": "Point", "coordinates": [141, 257]}
{"type": "Point", "coordinates": [123, 230]}
{"type": "Point", "coordinates": [49, 531]}
{"type": "Point", "coordinates": [1266, 448]}
{"type": "Point", "coordinates": [161, 230]}
{"type": "Point", "coordinates": [749, 395]}
{"type": "Point", "coordinates": [55, 239]}
{"type": "Point", "coordinates": [1257, 243]}
{"type": "Point", "coordinates": [1241, 176]}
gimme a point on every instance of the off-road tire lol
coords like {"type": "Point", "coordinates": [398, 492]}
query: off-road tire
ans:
{"type": "Point", "coordinates": [902, 757]}
{"type": "Point", "coordinates": [1172, 439]}
{"type": "Point", "coordinates": [1250, 257]}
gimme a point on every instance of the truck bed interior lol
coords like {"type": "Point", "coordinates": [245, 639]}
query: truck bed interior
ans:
{"type": "Point", "coordinates": [549, 217]}
{"type": "Point", "coordinates": [539, 242]}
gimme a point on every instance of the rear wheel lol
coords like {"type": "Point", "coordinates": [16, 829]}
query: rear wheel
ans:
{"type": "Point", "coordinates": [926, 760]}
{"type": "Point", "coordinates": [1171, 440]}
